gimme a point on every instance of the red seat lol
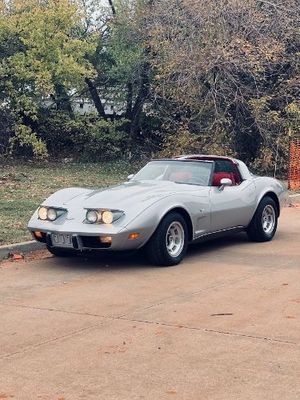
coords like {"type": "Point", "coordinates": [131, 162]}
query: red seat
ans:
{"type": "Point", "coordinates": [217, 176]}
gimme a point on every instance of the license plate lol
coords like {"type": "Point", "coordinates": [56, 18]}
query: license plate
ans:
{"type": "Point", "coordinates": [61, 240]}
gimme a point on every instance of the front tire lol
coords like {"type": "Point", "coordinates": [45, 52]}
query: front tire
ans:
{"type": "Point", "coordinates": [168, 244]}
{"type": "Point", "coordinates": [263, 226]}
{"type": "Point", "coordinates": [60, 252]}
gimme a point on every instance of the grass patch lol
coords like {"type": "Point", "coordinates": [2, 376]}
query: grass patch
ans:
{"type": "Point", "coordinates": [24, 186]}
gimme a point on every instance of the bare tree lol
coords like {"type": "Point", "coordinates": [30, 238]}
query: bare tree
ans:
{"type": "Point", "coordinates": [229, 69]}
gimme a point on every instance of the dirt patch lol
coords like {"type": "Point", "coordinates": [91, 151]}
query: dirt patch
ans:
{"type": "Point", "coordinates": [19, 258]}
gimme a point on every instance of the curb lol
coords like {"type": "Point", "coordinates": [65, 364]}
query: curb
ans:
{"type": "Point", "coordinates": [294, 198]}
{"type": "Point", "coordinates": [24, 247]}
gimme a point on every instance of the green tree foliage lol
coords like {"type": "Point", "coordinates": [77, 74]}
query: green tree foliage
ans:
{"type": "Point", "coordinates": [42, 58]}
{"type": "Point", "coordinates": [205, 76]}
{"type": "Point", "coordinates": [122, 63]}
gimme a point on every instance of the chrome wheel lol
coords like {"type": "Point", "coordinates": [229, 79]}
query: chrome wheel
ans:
{"type": "Point", "coordinates": [268, 219]}
{"type": "Point", "coordinates": [175, 239]}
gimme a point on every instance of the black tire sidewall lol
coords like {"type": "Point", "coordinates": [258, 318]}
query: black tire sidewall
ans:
{"type": "Point", "coordinates": [255, 229]}
{"type": "Point", "coordinates": [157, 249]}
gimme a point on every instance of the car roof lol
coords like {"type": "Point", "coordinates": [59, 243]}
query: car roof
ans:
{"type": "Point", "coordinates": [182, 159]}
{"type": "Point", "coordinates": [204, 157]}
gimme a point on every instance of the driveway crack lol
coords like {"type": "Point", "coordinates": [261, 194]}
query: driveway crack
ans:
{"type": "Point", "coordinates": [52, 309]}
{"type": "Point", "coordinates": [192, 328]}
{"type": "Point", "coordinates": [49, 341]}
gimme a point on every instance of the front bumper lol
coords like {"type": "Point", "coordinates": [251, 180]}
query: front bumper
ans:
{"type": "Point", "coordinates": [89, 239]}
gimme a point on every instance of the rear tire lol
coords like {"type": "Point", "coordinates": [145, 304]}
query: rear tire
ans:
{"type": "Point", "coordinates": [60, 252]}
{"type": "Point", "coordinates": [169, 243]}
{"type": "Point", "coordinates": [263, 226]}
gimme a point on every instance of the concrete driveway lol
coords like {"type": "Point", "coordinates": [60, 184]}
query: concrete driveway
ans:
{"type": "Point", "coordinates": [225, 324]}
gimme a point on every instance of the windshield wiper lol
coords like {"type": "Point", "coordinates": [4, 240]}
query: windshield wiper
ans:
{"type": "Point", "coordinates": [187, 183]}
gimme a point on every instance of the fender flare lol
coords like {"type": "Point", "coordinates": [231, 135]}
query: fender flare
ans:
{"type": "Point", "coordinates": [271, 193]}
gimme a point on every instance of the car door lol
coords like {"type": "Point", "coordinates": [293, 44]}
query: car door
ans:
{"type": "Point", "coordinates": [232, 206]}
{"type": "Point", "coordinates": [198, 205]}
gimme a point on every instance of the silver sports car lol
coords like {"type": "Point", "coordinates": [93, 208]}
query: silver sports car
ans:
{"type": "Point", "coordinates": [168, 204]}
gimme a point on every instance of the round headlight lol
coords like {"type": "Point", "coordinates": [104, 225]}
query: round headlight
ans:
{"type": "Point", "coordinates": [51, 214]}
{"type": "Point", "coordinates": [92, 216]}
{"type": "Point", "coordinates": [107, 217]}
{"type": "Point", "coordinates": [42, 213]}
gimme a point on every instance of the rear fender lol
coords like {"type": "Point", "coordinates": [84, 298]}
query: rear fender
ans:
{"type": "Point", "coordinates": [274, 189]}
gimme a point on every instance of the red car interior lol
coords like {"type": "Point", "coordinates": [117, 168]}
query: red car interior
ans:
{"type": "Point", "coordinates": [224, 168]}
{"type": "Point", "coordinates": [217, 176]}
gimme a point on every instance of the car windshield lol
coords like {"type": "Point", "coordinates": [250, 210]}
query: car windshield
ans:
{"type": "Point", "coordinates": [184, 172]}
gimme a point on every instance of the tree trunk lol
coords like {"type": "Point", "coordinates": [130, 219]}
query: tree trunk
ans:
{"type": "Point", "coordinates": [140, 100]}
{"type": "Point", "coordinates": [129, 96]}
{"type": "Point", "coordinates": [96, 98]}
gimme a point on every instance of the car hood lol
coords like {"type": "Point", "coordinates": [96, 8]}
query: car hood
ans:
{"type": "Point", "coordinates": [134, 194]}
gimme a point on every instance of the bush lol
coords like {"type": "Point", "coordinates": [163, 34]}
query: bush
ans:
{"type": "Point", "coordinates": [25, 140]}
{"type": "Point", "coordinates": [84, 137]}
{"type": "Point", "coordinates": [6, 124]}
{"type": "Point", "coordinates": [99, 139]}
{"type": "Point", "coordinates": [55, 130]}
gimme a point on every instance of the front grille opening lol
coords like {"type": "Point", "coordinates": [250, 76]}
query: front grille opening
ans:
{"type": "Point", "coordinates": [93, 242]}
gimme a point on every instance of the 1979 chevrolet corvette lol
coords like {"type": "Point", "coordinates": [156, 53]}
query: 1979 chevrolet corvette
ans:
{"type": "Point", "coordinates": [168, 204]}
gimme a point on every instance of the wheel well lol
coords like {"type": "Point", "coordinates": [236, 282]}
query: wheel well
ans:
{"type": "Point", "coordinates": [187, 218]}
{"type": "Point", "coordinates": [275, 198]}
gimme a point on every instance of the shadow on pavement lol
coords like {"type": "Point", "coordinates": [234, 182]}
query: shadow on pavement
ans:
{"type": "Point", "coordinates": [137, 259]}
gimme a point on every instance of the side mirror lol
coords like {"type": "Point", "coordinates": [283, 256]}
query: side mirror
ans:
{"type": "Point", "coordinates": [130, 177]}
{"type": "Point", "coordinates": [225, 182]}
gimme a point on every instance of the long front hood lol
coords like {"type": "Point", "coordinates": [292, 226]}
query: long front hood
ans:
{"type": "Point", "coordinates": [131, 197]}
{"type": "Point", "coordinates": [128, 195]}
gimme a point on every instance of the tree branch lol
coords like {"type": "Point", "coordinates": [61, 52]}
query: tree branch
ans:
{"type": "Point", "coordinates": [113, 10]}
{"type": "Point", "coordinates": [129, 96]}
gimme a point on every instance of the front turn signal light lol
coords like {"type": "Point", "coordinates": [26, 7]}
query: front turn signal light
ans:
{"type": "Point", "coordinates": [133, 236]}
{"type": "Point", "coordinates": [38, 234]}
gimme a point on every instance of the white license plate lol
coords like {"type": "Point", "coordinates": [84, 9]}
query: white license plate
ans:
{"type": "Point", "coordinates": [61, 240]}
